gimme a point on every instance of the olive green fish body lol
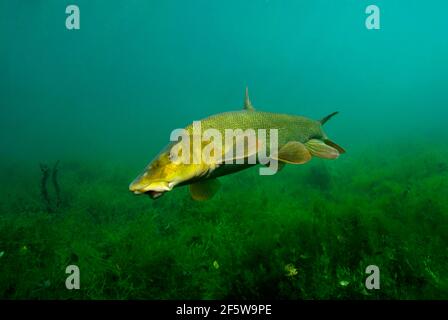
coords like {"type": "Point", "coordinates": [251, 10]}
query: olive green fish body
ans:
{"type": "Point", "coordinates": [298, 139]}
{"type": "Point", "coordinates": [289, 127]}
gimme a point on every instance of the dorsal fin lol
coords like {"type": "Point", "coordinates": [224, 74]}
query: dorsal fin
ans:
{"type": "Point", "coordinates": [247, 104]}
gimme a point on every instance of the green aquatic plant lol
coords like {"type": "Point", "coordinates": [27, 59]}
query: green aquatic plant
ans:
{"type": "Point", "coordinates": [133, 248]}
{"type": "Point", "coordinates": [43, 186]}
{"type": "Point", "coordinates": [46, 174]}
{"type": "Point", "coordinates": [319, 176]}
{"type": "Point", "coordinates": [54, 179]}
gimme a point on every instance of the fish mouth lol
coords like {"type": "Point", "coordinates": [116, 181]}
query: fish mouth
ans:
{"type": "Point", "coordinates": [153, 190]}
{"type": "Point", "coordinates": [151, 193]}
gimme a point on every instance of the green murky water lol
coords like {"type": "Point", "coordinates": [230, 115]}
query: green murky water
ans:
{"type": "Point", "coordinates": [103, 100]}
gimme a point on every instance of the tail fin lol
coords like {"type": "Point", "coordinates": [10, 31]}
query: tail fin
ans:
{"type": "Point", "coordinates": [325, 119]}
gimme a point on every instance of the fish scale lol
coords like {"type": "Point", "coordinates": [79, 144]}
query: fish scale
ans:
{"type": "Point", "coordinates": [290, 127]}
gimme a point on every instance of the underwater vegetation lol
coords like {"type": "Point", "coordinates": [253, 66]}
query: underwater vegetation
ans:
{"type": "Point", "coordinates": [308, 232]}
{"type": "Point", "coordinates": [46, 171]}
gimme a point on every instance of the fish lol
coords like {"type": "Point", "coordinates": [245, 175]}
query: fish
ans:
{"type": "Point", "coordinates": [298, 139]}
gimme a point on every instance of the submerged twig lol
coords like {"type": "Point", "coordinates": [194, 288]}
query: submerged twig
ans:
{"type": "Point", "coordinates": [54, 178]}
{"type": "Point", "coordinates": [46, 172]}
{"type": "Point", "coordinates": [43, 186]}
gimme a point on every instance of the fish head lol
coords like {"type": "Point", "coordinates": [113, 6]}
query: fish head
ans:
{"type": "Point", "coordinates": [164, 173]}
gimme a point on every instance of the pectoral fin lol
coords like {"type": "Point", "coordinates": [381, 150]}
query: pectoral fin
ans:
{"type": "Point", "coordinates": [293, 152]}
{"type": "Point", "coordinates": [204, 190]}
{"type": "Point", "coordinates": [320, 149]}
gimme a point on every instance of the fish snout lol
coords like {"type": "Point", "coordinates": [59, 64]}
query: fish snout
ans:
{"type": "Point", "coordinates": [137, 185]}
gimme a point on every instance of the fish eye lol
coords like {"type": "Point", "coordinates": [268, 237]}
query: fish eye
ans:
{"type": "Point", "coordinates": [173, 158]}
